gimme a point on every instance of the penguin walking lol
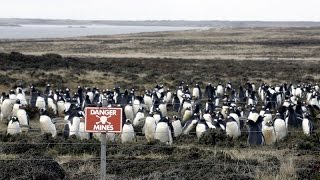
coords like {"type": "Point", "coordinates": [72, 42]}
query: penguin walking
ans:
{"type": "Point", "coordinates": [46, 124]}
{"type": "Point", "coordinates": [127, 134]}
{"type": "Point", "coordinates": [255, 135]}
{"type": "Point", "coordinates": [13, 126]}
{"type": "Point", "coordinates": [232, 128]}
{"type": "Point", "coordinates": [150, 127]}
{"type": "Point", "coordinates": [163, 132]}
{"type": "Point", "coordinates": [269, 133]}
{"type": "Point", "coordinates": [201, 127]}
{"type": "Point", "coordinates": [280, 127]}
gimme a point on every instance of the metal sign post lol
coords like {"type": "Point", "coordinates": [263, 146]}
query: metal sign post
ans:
{"type": "Point", "coordinates": [102, 120]}
{"type": "Point", "coordinates": [103, 163]}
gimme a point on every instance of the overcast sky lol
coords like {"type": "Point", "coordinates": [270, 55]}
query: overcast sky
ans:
{"type": "Point", "coordinates": [265, 10]}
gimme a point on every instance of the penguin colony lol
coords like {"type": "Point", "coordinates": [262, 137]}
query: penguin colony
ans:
{"type": "Point", "coordinates": [195, 110]}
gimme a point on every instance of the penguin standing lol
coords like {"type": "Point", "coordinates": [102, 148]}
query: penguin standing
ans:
{"type": "Point", "coordinates": [46, 124]}
{"type": "Point", "coordinates": [175, 103]}
{"type": "Point", "coordinates": [267, 116]}
{"type": "Point", "coordinates": [23, 119]}
{"type": "Point", "coordinates": [150, 127]}
{"type": "Point", "coordinates": [13, 126]}
{"type": "Point", "coordinates": [307, 126]}
{"type": "Point", "coordinates": [163, 131]}
{"type": "Point", "coordinates": [232, 128]}
{"type": "Point", "coordinates": [147, 100]}
{"type": "Point", "coordinates": [201, 127]}
{"type": "Point", "coordinates": [220, 90]}
{"type": "Point", "coordinates": [186, 116]}
{"type": "Point", "coordinates": [52, 105]}
{"type": "Point", "coordinates": [73, 124]}
{"type": "Point", "coordinates": [12, 96]}
{"type": "Point", "coordinates": [269, 133]}
{"type": "Point", "coordinates": [6, 109]}
{"type": "Point", "coordinates": [190, 125]}
{"type": "Point", "coordinates": [209, 120]}
{"type": "Point", "coordinates": [21, 97]}
{"type": "Point", "coordinates": [136, 105]}
{"type": "Point", "coordinates": [177, 126]}
{"type": "Point", "coordinates": [139, 120]}
{"type": "Point", "coordinates": [255, 135]}
{"type": "Point", "coordinates": [128, 110]}
{"type": "Point", "coordinates": [40, 102]}
{"type": "Point", "coordinates": [127, 134]}
{"type": "Point", "coordinates": [196, 92]}
{"type": "Point", "coordinates": [16, 107]}
{"type": "Point", "coordinates": [163, 108]}
{"type": "Point", "coordinates": [82, 133]}
{"type": "Point", "coordinates": [280, 127]}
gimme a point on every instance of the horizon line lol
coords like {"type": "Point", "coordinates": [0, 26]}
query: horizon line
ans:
{"type": "Point", "coordinates": [62, 19]}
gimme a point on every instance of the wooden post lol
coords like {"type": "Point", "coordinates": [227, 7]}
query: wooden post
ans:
{"type": "Point", "coordinates": [103, 163]}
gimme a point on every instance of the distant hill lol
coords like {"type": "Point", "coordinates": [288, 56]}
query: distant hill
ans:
{"type": "Point", "coordinates": [232, 24]}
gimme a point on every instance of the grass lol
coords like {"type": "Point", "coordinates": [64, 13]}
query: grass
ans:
{"type": "Point", "coordinates": [141, 61]}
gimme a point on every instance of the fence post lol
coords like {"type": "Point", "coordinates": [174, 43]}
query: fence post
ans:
{"type": "Point", "coordinates": [103, 163]}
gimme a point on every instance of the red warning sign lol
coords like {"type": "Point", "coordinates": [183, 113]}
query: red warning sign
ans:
{"type": "Point", "coordinates": [103, 119]}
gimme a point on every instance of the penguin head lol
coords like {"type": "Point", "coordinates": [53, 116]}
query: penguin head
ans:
{"type": "Point", "coordinates": [11, 91]}
{"type": "Point", "coordinates": [128, 122]}
{"type": "Point", "coordinates": [175, 117]}
{"type": "Point", "coordinates": [150, 114]}
{"type": "Point", "coordinates": [43, 112]}
{"type": "Point", "coordinates": [269, 124]}
{"type": "Point", "coordinates": [18, 101]}
{"type": "Point", "coordinates": [14, 119]}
